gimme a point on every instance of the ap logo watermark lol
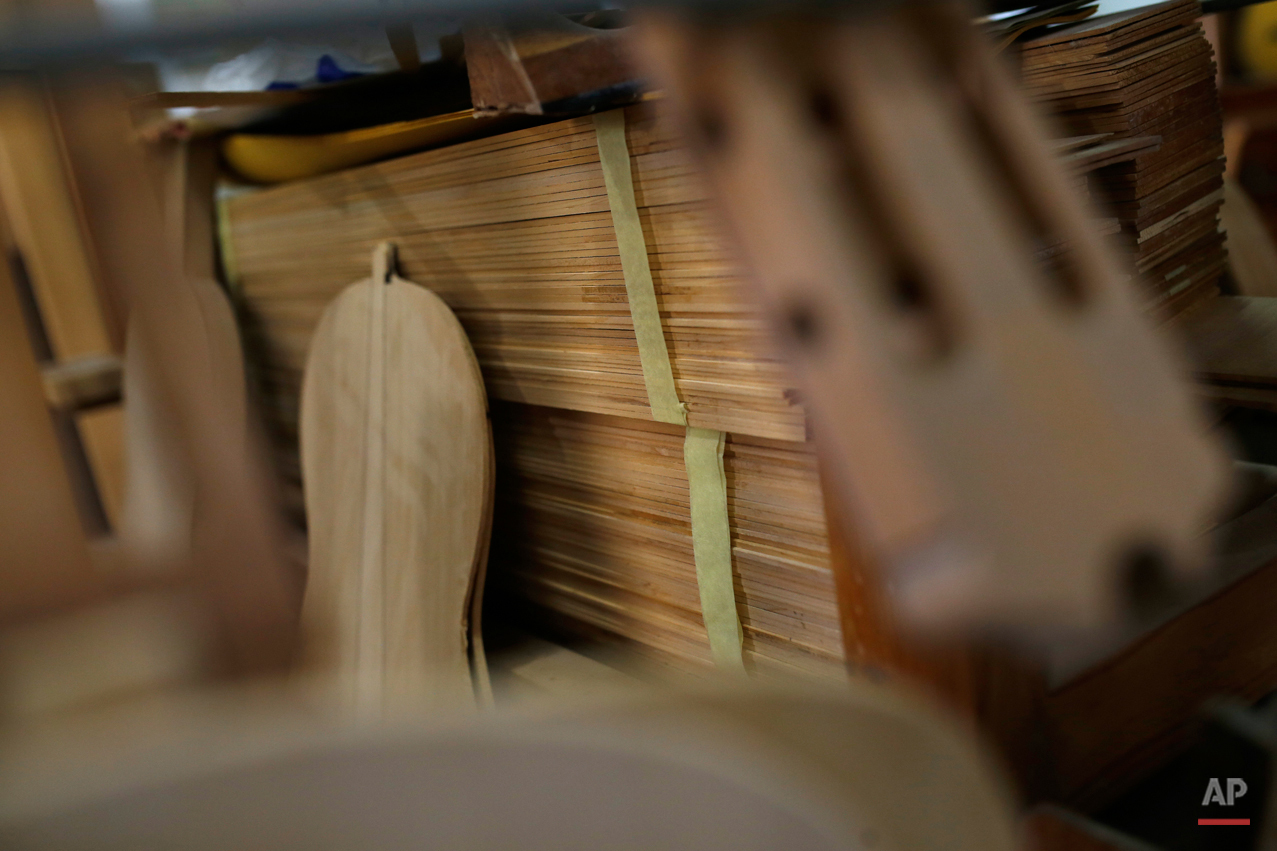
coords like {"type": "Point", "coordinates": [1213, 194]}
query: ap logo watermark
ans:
{"type": "Point", "coordinates": [1224, 794]}
{"type": "Point", "coordinates": [1215, 792]}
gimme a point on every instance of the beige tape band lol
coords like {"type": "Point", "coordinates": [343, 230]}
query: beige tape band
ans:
{"type": "Point", "coordinates": [226, 245]}
{"type": "Point", "coordinates": [702, 448]}
{"type": "Point", "coordinates": [230, 270]}
{"type": "Point", "coordinates": [614, 155]}
{"type": "Point", "coordinates": [712, 545]}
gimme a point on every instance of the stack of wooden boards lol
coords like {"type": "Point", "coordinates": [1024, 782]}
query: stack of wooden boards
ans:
{"type": "Point", "coordinates": [599, 532]}
{"type": "Point", "coordinates": [1083, 155]}
{"type": "Point", "coordinates": [1146, 72]}
{"type": "Point", "coordinates": [515, 233]}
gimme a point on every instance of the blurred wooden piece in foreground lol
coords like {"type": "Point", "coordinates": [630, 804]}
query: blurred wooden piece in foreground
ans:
{"type": "Point", "coordinates": [52, 254]}
{"type": "Point", "coordinates": [46, 559]}
{"type": "Point", "coordinates": [73, 628]}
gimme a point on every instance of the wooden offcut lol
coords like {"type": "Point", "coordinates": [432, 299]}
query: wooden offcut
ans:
{"type": "Point", "coordinates": [599, 529]}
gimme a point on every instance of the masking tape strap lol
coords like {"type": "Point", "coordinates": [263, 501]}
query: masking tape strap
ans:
{"type": "Point", "coordinates": [702, 448]}
{"type": "Point", "coordinates": [222, 196]}
{"type": "Point", "coordinates": [712, 545]}
{"type": "Point", "coordinates": [230, 270]}
{"type": "Point", "coordinates": [614, 155]}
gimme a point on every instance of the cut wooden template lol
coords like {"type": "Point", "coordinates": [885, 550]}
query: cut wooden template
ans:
{"type": "Point", "coordinates": [397, 466]}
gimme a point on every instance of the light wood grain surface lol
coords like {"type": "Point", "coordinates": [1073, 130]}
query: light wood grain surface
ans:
{"type": "Point", "coordinates": [397, 468]}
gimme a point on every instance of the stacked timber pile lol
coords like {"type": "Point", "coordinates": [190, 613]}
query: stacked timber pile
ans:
{"type": "Point", "coordinates": [1081, 156]}
{"type": "Point", "coordinates": [515, 234]}
{"type": "Point", "coordinates": [593, 529]}
{"type": "Point", "coordinates": [603, 535]}
{"type": "Point", "coordinates": [1146, 72]}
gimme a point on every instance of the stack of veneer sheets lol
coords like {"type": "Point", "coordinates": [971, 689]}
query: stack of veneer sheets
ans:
{"type": "Point", "coordinates": [515, 233]}
{"type": "Point", "coordinates": [1146, 72]}
{"type": "Point", "coordinates": [601, 535]}
{"type": "Point", "coordinates": [1081, 156]}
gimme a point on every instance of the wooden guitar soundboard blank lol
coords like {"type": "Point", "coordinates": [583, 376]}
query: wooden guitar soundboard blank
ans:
{"type": "Point", "coordinates": [397, 467]}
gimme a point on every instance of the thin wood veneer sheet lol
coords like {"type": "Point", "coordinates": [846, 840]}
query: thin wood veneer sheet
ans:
{"type": "Point", "coordinates": [397, 466]}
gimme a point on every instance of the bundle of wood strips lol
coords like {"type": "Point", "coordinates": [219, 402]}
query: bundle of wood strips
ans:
{"type": "Point", "coordinates": [1146, 72]}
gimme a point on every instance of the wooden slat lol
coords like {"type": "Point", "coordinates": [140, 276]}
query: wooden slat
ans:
{"type": "Point", "coordinates": [46, 225]}
{"type": "Point", "coordinates": [59, 260]}
{"type": "Point", "coordinates": [46, 560]}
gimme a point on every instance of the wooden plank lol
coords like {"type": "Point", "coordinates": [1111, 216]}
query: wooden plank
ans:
{"type": "Point", "coordinates": [47, 230]}
{"type": "Point", "coordinates": [536, 61]}
{"type": "Point", "coordinates": [46, 225]}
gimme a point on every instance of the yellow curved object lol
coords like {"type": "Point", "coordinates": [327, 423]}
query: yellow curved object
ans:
{"type": "Point", "coordinates": [1257, 40]}
{"type": "Point", "coordinates": [274, 159]}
